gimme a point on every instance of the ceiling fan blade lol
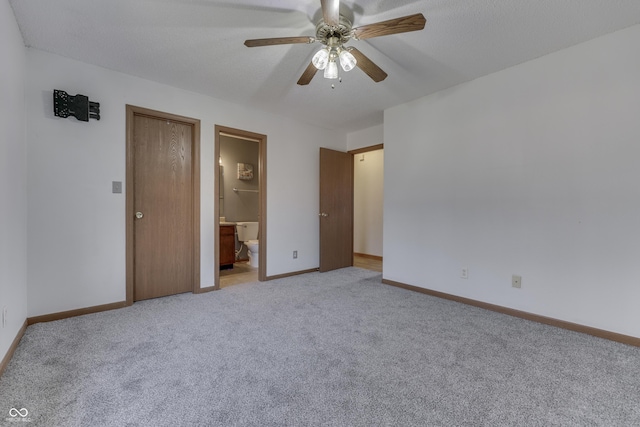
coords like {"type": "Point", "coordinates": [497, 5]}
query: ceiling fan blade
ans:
{"type": "Point", "coordinates": [393, 26]}
{"type": "Point", "coordinates": [331, 12]}
{"type": "Point", "coordinates": [278, 40]}
{"type": "Point", "coordinates": [308, 74]}
{"type": "Point", "coordinates": [366, 65]}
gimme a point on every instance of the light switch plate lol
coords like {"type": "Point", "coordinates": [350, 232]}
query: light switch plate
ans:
{"type": "Point", "coordinates": [516, 281]}
{"type": "Point", "coordinates": [116, 186]}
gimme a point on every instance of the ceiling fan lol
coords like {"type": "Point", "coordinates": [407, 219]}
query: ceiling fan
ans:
{"type": "Point", "coordinates": [333, 30]}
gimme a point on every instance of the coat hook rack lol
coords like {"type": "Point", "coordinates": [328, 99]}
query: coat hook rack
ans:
{"type": "Point", "coordinates": [78, 106]}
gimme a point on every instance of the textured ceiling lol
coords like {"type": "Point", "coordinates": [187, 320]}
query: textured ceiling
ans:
{"type": "Point", "coordinates": [198, 45]}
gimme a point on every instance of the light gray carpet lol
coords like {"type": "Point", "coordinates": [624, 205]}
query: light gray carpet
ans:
{"type": "Point", "coordinates": [331, 349]}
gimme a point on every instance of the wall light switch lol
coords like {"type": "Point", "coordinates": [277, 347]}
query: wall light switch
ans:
{"type": "Point", "coordinates": [116, 186]}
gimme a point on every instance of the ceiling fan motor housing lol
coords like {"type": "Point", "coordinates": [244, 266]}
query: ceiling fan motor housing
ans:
{"type": "Point", "coordinates": [342, 32]}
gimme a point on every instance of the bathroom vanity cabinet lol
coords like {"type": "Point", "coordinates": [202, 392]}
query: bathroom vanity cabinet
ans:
{"type": "Point", "coordinates": [227, 246]}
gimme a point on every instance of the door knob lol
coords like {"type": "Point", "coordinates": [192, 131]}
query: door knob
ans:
{"type": "Point", "coordinates": [139, 215]}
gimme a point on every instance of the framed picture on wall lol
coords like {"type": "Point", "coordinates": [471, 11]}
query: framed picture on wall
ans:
{"type": "Point", "coordinates": [245, 171]}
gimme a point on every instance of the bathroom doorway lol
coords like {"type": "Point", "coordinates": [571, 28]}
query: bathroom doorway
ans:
{"type": "Point", "coordinates": [240, 203]}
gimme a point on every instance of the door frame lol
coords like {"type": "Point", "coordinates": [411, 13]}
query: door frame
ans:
{"type": "Point", "coordinates": [366, 149]}
{"type": "Point", "coordinates": [262, 197]}
{"type": "Point", "coordinates": [133, 111]}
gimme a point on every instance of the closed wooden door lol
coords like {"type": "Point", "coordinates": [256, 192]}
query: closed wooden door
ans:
{"type": "Point", "coordinates": [336, 209]}
{"type": "Point", "coordinates": [163, 205]}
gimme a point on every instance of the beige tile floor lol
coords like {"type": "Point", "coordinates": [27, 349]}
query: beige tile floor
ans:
{"type": "Point", "coordinates": [242, 272]}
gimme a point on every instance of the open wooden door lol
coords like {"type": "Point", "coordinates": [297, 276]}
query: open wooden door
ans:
{"type": "Point", "coordinates": [336, 209]}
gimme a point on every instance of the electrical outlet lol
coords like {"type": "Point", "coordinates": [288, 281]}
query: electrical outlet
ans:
{"type": "Point", "coordinates": [516, 281]}
{"type": "Point", "coordinates": [464, 273]}
{"type": "Point", "coordinates": [295, 254]}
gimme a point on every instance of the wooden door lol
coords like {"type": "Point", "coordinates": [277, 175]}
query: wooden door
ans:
{"type": "Point", "coordinates": [336, 209]}
{"type": "Point", "coordinates": [163, 207]}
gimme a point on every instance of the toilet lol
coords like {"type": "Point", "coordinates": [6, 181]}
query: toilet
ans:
{"type": "Point", "coordinates": [248, 234]}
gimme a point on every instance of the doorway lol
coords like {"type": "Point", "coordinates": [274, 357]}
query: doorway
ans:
{"type": "Point", "coordinates": [351, 208]}
{"type": "Point", "coordinates": [162, 204]}
{"type": "Point", "coordinates": [239, 200]}
{"type": "Point", "coordinates": [368, 167]}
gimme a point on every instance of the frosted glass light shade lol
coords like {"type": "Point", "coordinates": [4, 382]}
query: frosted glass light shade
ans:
{"type": "Point", "coordinates": [331, 72]}
{"type": "Point", "coordinates": [347, 60]}
{"type": "Point", "coordinates": [320, 59]}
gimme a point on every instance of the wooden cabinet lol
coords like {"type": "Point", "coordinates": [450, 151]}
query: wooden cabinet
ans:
{"type": "Point", "coordinates": [227, 246]}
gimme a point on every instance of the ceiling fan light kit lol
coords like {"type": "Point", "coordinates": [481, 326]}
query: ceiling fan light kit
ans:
{"type": "Point", "coordinates": [327, 58]}
{"type": "Point", "coordinates": [333, 31]}
{"type": "Point", "coordinates": [331, 72]}
{"type": "Point", "coordinates": [347, 60]}
{"type": "Point", "coordinates": [321, 59]}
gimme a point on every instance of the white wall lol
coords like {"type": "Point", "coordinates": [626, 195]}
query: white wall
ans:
{"type": "Point", "coordinates": [533, 171]}
{"type": "Point", "coordinates": [76, 226]}
{"type": "Point", "coordinates": [368, 175]}
{"type": "Point", "coordinates": [13, 179]}
{"type": "Point", "coordinates": [367, 137]}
